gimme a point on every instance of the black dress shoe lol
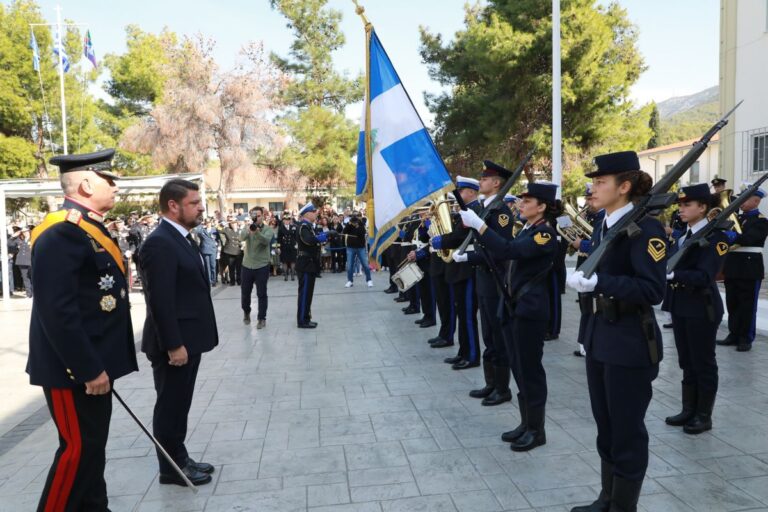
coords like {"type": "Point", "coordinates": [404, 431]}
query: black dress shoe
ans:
{"type": "Point", "coordinates": [464, 365]}
{"type": "Point", "coordinates": [391, 289]}
{"type": "Point", "coordinates": [529, 440]}
{"type": "Point", "coordinates": [411, 311]}
{"type": "Point", "coordinates": [420, 320]}
{"type": "Point", "coordinates": [195, 476]}
{"type": "Point", "coordinates": [741, 347]}
{"type": "Point", "coordinates": [550, 337]}
{"type": "Point", "coordinates": [427, 323]}
{"type": "Point", "coordinates": [453, 360]}
{"type": "Point", "coordinates": [400, 299]}
{"type": "Point", "coordinates": [578, 353]}
{"type": "Point", "coordinates": [202, 467]}
{"type": "Point", "coordinates": [441, 344]}
{"type": "Point", "coordinates": [434, 340]}
{"type": "Point", "coordinates": [307, 325]}
{"type": "Point", "coordinates": [729, 340]}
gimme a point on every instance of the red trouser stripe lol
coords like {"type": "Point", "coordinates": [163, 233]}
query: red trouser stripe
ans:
{"type": "Point", "coordinates": [66, 419]}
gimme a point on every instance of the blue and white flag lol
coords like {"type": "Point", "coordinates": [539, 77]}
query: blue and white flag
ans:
{"type": "Point", "coordinates": [64, 56]}
{"type": "Point", "coordinates": [403, 168]}
{"type": "Point", "coordinates": [35, 50]}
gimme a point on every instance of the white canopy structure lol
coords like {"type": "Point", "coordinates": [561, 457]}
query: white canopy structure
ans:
{"type": "Point", "coordinates": [11, 189]}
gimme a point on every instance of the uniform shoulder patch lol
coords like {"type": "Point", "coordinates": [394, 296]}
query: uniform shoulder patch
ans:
{"type": "Point", "coordinates": [503, 220]}
{"type": "Point", "coordinates": [542, 238]}
{"type": "Point", "coordinates": [657, 248]}
{"type": "Point", "coordinates": [721, 248]}
{"type": "Point", "coordinates": [74, 216]}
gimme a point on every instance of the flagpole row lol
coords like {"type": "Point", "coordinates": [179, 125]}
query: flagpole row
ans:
{"type": "Point", "coordinates": [60, 46]}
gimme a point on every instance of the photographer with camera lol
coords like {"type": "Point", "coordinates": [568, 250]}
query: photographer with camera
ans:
{"type": "Point", "coordinates": [355, 236]}
{"type": "Point", "coordinates": [256, 259]}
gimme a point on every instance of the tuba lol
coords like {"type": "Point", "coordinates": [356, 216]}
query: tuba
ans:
{"type": "Point", "coordinates": [723, 201]}
{"type": "Point", "coordinates": [579, 227]}
{"type": "Point", "coordinates": [440, 224]}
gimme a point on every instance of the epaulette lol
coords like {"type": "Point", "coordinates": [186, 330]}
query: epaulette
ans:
{"type": "Point", "coordinates": [74, 216]}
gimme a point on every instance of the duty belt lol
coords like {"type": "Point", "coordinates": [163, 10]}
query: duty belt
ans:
{"type": "Point", "coordinates": [755, 250]}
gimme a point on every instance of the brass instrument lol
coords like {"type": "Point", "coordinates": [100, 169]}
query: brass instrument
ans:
{"type": "Point", "coordinates": [723, 202]}
{"type": "Point", "coordinates": [579, 229]}
{"type": "Point", "coordinates": [440, 224]}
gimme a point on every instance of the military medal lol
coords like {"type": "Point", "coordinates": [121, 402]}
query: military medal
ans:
{"type": "Point", "coordinates": [106, 282]}
{"type": "Point", "coordinates": [108, 303]}
{"type": "Point", "coordinates": [122, 293]}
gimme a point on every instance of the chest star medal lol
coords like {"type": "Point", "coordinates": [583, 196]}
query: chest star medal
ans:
{"type": "Point", "coordinates": [108, 303]}
{"type": "Point", "coordinates": [542, 238]}
{"type": "Point", "coordinates": [503, 220]}
{"type": "Point", "coordinates": [106, 282]}
{"type": "Point", "coordinates": [657, 249]}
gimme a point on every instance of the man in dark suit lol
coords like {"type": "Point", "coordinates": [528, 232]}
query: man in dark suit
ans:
{"type": "Point", "coordinates": [180, 323]}
{"type": "Point", "coordinates": [80, 334]}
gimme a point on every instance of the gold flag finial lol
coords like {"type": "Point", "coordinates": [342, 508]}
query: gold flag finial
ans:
{"type": "Point", "coordinates": [360, 11]}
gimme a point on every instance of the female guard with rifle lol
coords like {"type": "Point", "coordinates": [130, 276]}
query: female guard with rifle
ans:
{"type": "Point", "coordinates": [621, 338]}
{"type": "Point", "coordinates": [528, 280]}
{"type": "Point", "coordinates": [697, 309]}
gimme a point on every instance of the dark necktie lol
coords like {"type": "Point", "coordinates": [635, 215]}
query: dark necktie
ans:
{"type": "Point", "coordinates": [688, 234]}
{"type": "Point", "coordinates": [604, 230]}
{"type": "Point", "coordinates": [194, 244]}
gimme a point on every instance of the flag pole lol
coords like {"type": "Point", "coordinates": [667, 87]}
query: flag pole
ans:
{"type": "Point", "coordinates": [557, 136]}
{"type": "Point", "coordinates": [61, 78]}
{"type": "Point", "coordinates": [368, 192]}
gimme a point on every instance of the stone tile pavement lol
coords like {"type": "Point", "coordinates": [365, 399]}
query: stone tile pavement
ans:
{"type": "Point", "coordinates": [361, 415]}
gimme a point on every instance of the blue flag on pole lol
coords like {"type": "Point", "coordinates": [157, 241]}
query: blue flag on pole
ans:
{"type": "Point", "coordinates": [405, 167]}
{"type": "Point", "coordinates": [64, 56]}
{"type": "Point", "coordinates": [35, 50]}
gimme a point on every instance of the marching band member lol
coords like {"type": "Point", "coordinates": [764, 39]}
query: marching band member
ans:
{"type": "Point", "coordinates": [529, 281]}
{"type": "Point", "coordinates": [622, 339]}
{"type": "Point", "coordinates": [697, 309]}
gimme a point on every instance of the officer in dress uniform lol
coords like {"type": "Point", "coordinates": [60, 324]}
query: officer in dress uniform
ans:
{"type": "Point", "coordinates": [621, 337]}
{"type": "Point", "coordinates": [697, 309]}
{"type": "Point", "coordinates": [530, 285]}
{"type": "Point", "coordinates": [307, 264]}
{"type": "Point", "coordinates": [461, 278]}
{"type": "Point", "coordinates": [286, 237]}
{"type": "Point", "coordinates": [80, 336]}
{"type": "Point", "coordinates": [743, 271]}
{"type": "Point", "coordinates": [489, 273]}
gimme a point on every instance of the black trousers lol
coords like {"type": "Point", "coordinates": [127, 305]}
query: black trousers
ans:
{"type": "Point", "coordinates": [259, 277]}
{"type": "Point", "coordinates": [465, 304]}
{"type": "Point", "coordinates": [443, 293]}
{"type": "Point", "coordinates": [524, 340]}
{"type": "Point", "coordinates": [75, 481]}
{"type": "Point", "coordinates": [306, 291]}
{"type": "Point", "coordinates": [555, 306]}
{"type": "Point", "coordinates": [620, 396]}
{"type": "Point", "coordinates": [413, 294]}
{"type": "Point", "coordinates": [233, 263]}
{"type": "Point", "coordinates": [175, 386]}
{"type": "Point", "coordinates": [741, 299]}
{"type": "Point", "coordinates": [695, 342]}
{"type": "Point", "coordinates": [492, 318]}
{"type": "Point", "coordinates": [426, 297]}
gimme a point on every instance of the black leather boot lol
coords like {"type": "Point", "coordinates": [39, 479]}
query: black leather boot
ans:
{"type": "Point", "coordinates": [534, 435]}
{"type": "Point", "coordinates": [489, 382]}
{"type": "Point", "coordinates": [689, 408]}
{"type": "Point", "coordinates": [702, 420]}
{"type": "Point", "coordinates": [728, 340]}
{"type": "Point", "coordinates": [514, 435]}
{"type": "Point", "coordinates": [603, 501]}
{"type": "Point", "coordinates": [625, 495]}
{"type": "Point", "coordinates": [501, 392]}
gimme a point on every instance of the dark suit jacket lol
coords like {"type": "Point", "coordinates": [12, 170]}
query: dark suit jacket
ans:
{"type": "Point", "coordinates": [177, 291]}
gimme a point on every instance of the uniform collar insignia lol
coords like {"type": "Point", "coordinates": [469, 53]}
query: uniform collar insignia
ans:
{"type": "Point", "coordinates": [95, 216]}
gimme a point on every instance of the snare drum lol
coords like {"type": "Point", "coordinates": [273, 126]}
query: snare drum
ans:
{"type": "Point", "coordinates": [407, 276]}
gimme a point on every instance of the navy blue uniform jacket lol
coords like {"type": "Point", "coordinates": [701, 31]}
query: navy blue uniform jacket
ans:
{"type": "Point", "coordinates": [177, 291]}
{"type": "Point", "coordinates": [81, 321]}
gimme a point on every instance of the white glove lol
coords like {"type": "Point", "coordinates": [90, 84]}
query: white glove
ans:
{"type": "Point", "coordinates": [459, 258]}
{"type": "Point", "coordinates": [471, 220]}
{"type": "Point", "coordinates": [670, 276]}
{"type": "Point", "coordinates": [581, 284]}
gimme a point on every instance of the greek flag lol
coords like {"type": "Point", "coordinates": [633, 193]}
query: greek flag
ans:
{"type": "Point", "coordinates": [402, 168]}
{"type": "Point", "coordinates": [64, 56]}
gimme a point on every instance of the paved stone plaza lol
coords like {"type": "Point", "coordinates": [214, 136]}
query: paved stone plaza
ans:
{"type": "Point", "coordinates": [361, 415]}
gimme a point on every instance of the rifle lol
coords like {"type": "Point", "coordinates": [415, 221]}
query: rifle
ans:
{"type": "Point", "coordinates": [498, 198]}
{"type": "Point", "coordinates": [720, 222]}
{"type": "Point", "coordinates": [657, 199]}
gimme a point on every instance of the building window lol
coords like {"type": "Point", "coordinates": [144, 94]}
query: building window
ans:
{"type": "Point", "coordinates": [760, 153]}
{"type": "Point", "coordinates": [244, 206]}
{"type": "Point", "coordinates": [694, 174]}
{"type": "Point", "coordinates": [278, 206]}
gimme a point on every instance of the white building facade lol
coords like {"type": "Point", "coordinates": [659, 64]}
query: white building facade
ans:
{"type": "Point", "coordinates": [658, 161]}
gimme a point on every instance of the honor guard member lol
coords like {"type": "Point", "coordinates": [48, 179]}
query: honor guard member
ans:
{"type": "Point", "coordinates": [286, 238]}
{"type": "Point", "coordinates": [493, 312]}
{"type": "Point", "coordinates": [697, 309]}
{"type": "Point", "coordinates": [718, 185]}
{"type": "Point", "coordinates": [622, 339]}
{"type": "Point", "coordinates": [461, 278]}
{"type": "Point", "coordinates": [307, 264]}
{"type": "Point", "coordinates": [413, 294]}
{"type": "Point", "coordinates": [421, 255]}
{"type": "Point", "coordinates": [530, 285]}
{"type": "Point", "coordinates": [743, 271]}
{"type": "Point", "coordinates": [80, 335]}
{"type": "Point", "coordinates": [442, 297]}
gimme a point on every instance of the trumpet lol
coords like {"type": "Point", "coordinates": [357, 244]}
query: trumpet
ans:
{"type": "Point", "coordinates": [722, 203]}
{"type": "Point", "coordinates": [579, 228]}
